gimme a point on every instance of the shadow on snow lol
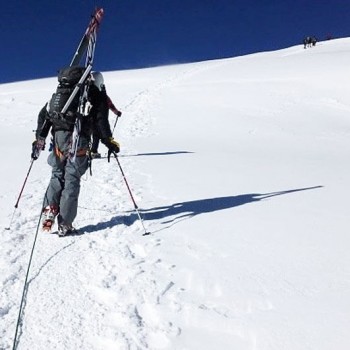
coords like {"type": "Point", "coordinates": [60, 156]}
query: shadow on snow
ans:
{"type": "Point", "coordinates": [149, 154]}
{"type": "Point", "coordinates": [158, 154]}
{"type": "Point", "coordinates": [186, 210]}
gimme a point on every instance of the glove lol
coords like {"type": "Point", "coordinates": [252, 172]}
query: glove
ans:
{"type": "Point", "coordinates": [115, 111]}
{"type": "Point", "coordinates": [37, 146]}
{"type": "Point", "coordinates": [113, 146]}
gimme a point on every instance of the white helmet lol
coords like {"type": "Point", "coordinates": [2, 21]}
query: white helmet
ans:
{"type": "Point", "coordinates": [97, 80]}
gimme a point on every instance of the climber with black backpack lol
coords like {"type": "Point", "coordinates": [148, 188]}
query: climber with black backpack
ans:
{"type": "Point", "coordinates": [71, 135]}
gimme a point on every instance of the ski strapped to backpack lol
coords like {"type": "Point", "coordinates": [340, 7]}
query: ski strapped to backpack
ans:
{"type": "Point", "coordinates": [71, 75]}
{"type": "Point", "coordinates": [68, 103]}
{"type": "Point", "coordinates": [88, 43]}
{"type": "Point", "coordinates": [88, 37]}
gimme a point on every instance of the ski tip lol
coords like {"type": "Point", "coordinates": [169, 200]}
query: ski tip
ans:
{"type": "Point", "coordinates": [99, 14]}
{"type": "Point", "coordinates": [146, 234]}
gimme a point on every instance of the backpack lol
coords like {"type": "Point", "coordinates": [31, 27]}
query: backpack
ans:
{"type": "Point", "coordinates": [70, 75]}
{"type": "Point", "coordinates": [67, 78]}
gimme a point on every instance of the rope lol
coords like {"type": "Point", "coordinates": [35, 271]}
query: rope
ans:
{"type": "Point", "coordinates": [25, 288]}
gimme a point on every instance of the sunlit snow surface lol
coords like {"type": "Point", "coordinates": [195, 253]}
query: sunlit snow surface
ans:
{"type": "Point", "coordinates": [240, 168]}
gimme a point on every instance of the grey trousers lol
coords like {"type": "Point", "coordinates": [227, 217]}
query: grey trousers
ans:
{"type": "Point", "coordinates": [64, 187]}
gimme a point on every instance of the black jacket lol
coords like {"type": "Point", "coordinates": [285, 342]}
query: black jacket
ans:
{"type": "Point", "coordinates": [96, 121]}
{"type": "Point", "coordinates": [98, 114]}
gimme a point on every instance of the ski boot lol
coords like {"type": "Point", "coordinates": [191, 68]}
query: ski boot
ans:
{"type": "Point", "coordinates": [49, 214]}
{"type": "Point", "coordinates": [64, 230]}
{"type": "Point", "coordinates": [95, 155]}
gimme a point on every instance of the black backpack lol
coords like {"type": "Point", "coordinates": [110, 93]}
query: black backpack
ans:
{"type": "Point", "coordinates": [67, 78]}
{"type": "Point", "coordinates": [70, 76]}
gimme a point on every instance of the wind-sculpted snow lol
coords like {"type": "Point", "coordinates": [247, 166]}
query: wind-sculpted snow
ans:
{"type": "Point", "coordinates": [239, 168]}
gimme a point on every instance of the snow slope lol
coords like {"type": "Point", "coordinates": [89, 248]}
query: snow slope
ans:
{"type": "Point", "coordinates": [240, 169]}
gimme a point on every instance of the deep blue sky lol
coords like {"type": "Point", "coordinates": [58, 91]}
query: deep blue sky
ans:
{"type": "Point", "coordinates": [39, 37]}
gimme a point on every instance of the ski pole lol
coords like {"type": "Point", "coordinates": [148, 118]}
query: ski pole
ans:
{"type": "Point", "coordinates": [132, 197]}
{"type": "Point", "coordinates": [115, 124]}
{"type": "Point", "coordinates": [20, 194]}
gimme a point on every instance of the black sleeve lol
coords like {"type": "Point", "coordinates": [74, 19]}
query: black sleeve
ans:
{"type": "Point", "coordinates": [44, 125]}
